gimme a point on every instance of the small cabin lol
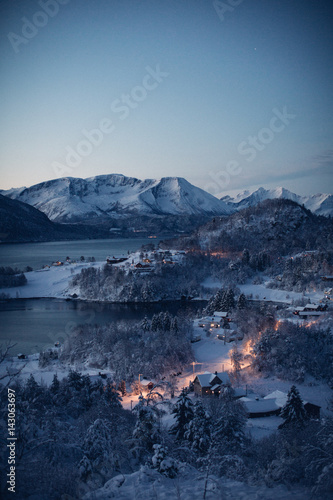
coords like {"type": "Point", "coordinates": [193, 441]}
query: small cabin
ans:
{"type": "Point", "coordinates": [312, 410]}
{"type": "Point", "coordinates": [259, 408]}
{"type": "Point", "coordinates": [148, 385]}
{"type": "Point", "coordinates": [310, 310]}
{"type": "Point", "coordinates": [210, 384]}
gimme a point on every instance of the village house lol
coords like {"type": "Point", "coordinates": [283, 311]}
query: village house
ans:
{"type": "Point", "coordinates": [271, 404]}
{"type": "Point", "coordinates": [256, 407]}
{"type": "Point", "coordinates": [208, 384]}
{"type": "Point", "coordinates": [147, 385]}
{"type": "Point", "coordinates": [310, 310]}
{"type": "Point", "coordinates": [312, 410]}
{"type": "Point", "coordinates": [218, 320]}
{"type": "Point", "coordinates": [142, 268]}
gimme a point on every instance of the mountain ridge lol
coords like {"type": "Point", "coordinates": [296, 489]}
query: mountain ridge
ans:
{"type": "Point", "coordinates": [320, 204]}
{"type": "Point", "coordinates": [71, 199]}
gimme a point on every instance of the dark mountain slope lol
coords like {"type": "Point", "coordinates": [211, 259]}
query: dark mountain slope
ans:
{"type": "Point", "coordinates": [20, 222]}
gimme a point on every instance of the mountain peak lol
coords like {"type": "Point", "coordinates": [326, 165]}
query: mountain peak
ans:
{"type": "Point", "coordinates": [71, 199]}
{"type": "Point", "coordinates": [320, 204]}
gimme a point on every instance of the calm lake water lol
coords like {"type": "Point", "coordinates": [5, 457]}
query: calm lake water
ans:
{"type": "Point", "coordinates": [36, 255]}
{"type": "Point", "coordinates": [36, 324]}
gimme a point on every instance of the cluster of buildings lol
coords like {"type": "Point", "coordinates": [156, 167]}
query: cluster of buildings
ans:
{"type": "Point", "coordinates": [212, 384]}
{"type": "Point", "coordinates": [220, 320]}
{"type": "Point", "coordinates": [310, 310]}
{"type": "Point", "coordinates": [145, 265]}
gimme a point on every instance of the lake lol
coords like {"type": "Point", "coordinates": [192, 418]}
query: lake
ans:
{"type": "Point", "coordinates": [36, 324]}
{"type": "Point", "coordinates": [36, 255]}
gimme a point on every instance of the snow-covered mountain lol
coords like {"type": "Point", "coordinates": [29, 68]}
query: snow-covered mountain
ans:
{"type": "Point", "coordinates": [320, 204]}
{"type": "Point", "coordinates": [72, 199]}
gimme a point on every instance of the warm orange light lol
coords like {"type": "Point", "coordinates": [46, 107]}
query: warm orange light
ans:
{"type": "Point", "coordinates": [277, 324]}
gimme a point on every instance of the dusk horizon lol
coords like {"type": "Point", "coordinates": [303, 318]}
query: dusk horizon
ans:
{"type": "Point", "coordinates": [229, 95]}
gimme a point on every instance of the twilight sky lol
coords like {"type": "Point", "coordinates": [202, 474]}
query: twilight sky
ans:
{"type": "Point", "coordinates": [230, 95]}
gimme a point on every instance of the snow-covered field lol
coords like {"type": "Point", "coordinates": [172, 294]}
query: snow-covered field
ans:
{"type": "Point", "coordinates": [50, 282]}
{"type": "Point", "coordinates": [261, 292]}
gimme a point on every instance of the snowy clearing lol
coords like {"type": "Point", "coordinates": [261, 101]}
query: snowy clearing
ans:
{"type": "Point", "coordinates": [149, 484]}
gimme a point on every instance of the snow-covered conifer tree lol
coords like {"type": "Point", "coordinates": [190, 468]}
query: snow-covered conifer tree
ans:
{"type": "Point", "coordinates": [198, 429]}
{"type": "Point", "coordinates": [55, 384]}
{"type": "Point", "coordinates": [161, 462]}
{"type": "Point", "coordinates": [111, 396]}
{"type": "Point", "coordinates": [229, 436]}
{"type": "Point", "coordinates": [183, 411]}
{"type": "Point", "coordinates": [293, 411]}
{"type": "Point", "coordinates": [145, 324]}
{"type": "Point", "coordinates": [230, 299]}
{"type": "Point", "coordinates": [146, 431]}
{"type": "Point", "coordinates": [241, 302]}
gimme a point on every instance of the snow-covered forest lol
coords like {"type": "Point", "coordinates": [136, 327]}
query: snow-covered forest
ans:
{"type": "Point", "coordinates": [74, 436]}
{"type": "Point", "coordinates": [155, 348]}
{"type": "Point", "coordinates": [11, 277]}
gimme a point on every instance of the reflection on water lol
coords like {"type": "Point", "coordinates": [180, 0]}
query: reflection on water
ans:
{"type": "Point", "coordinates": [36, 324]}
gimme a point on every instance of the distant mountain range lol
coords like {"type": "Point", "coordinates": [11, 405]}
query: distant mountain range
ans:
{"type": "Point", "coordinates": [104, 197]}
{"type": "Point", "coordinates": [110, 205]}
{"type": "Point", "coordinates": [116, 196]}
{"type": "Point", "coordinates": [320, 204]}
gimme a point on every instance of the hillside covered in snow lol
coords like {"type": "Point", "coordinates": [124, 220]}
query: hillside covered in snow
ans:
{"type": "Point", "coordinates": [278, 226]}
{"type": "Point", "coordinates": [114, 196]}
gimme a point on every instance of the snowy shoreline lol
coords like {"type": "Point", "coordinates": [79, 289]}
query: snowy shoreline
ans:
{"type": "Point", "coordinates": [54, 283]}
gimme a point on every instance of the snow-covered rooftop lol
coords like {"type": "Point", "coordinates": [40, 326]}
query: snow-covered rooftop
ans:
{"type": "Point", "coordinates": [207, 378]}
{"type": "Point", "coordinates": [260, 405]}
{"type": "Point", "coordinates": [220, 314]}
{"type": "Point", "coordinates": [279, 396]}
